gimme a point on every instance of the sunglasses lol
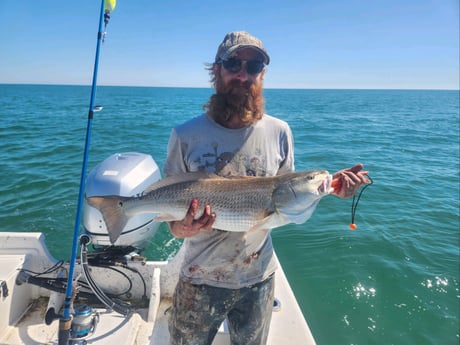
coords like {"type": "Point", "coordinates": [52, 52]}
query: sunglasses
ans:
{"type": "Point", "coordinates": [233, 65]}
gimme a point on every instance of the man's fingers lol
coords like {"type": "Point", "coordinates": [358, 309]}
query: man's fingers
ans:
{"type": "Point", "coordinates": [209, 222]}
{"type": "Point", "coordinates": [353, 178]}
{"type": "Point", "coordinates": [355, 169]}
{"type": "Point", "coordinates": [206, 220]}
{"type": "Point", "coordinates": [191, 212]}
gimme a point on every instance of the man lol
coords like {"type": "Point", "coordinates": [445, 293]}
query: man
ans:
{"type": "Point", "coordinates": [227, 274]}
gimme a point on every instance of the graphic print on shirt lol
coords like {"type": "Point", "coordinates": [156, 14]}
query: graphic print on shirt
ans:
{"type": "Point", "coordinates": [228, 163]}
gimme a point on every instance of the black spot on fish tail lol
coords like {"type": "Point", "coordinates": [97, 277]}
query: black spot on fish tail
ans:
{"type": "Point", "coordinates": [113, 213]}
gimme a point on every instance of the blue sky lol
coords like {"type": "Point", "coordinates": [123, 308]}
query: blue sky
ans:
{"type": "Point", "coordinates": [365, 44]}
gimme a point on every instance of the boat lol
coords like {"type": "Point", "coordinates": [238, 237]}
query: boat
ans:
{"type": "Point", "coordinates": [119, 297]}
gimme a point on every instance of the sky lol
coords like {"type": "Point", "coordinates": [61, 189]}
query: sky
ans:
{"type": "Point", "coordinates": [313, 44]}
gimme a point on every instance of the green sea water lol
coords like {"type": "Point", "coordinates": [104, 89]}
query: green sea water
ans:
{"type": "Point", "coordinates": [395, 280]}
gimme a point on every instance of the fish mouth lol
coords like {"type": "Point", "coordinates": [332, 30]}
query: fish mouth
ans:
{"type": "Point", "coordinates": [325, 187]}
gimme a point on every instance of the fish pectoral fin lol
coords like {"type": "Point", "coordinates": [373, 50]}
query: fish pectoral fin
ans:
{"type": "Point", "coordinates": [299, 216]}
{"type": "Point", "coordinates": [266, 223]}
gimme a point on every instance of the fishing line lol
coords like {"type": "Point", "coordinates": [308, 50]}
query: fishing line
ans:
{"type": "Point", "coordinates": [354, 203]}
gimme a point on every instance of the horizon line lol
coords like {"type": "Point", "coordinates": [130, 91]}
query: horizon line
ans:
{"type": "Point", "coordinates": [265, 88]}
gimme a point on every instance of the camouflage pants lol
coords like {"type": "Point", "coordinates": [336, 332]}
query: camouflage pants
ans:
{"type": "Point", "coordinates": [199, 310]}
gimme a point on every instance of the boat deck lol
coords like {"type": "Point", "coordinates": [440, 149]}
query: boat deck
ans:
{"type": "Point", "coordinates": [23, 308]}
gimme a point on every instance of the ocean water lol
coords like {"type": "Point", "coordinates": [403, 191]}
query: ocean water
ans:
{"type": "Point", "coordinates": [395, 280]}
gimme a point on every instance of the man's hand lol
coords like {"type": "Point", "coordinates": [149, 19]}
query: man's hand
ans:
{"type": "Point", "coordinates": [347, 182]}
{"type": "Point", "coordinates": [189, 226]}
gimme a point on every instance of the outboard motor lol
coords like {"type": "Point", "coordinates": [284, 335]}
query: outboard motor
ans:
{"type": "Point", "coordinates": [122, 174]}
{"type": "Point", "coordinates": [126, 175]}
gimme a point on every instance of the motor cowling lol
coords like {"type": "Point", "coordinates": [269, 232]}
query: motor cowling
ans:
{"type": "Point", "coordinates": [122, 174]}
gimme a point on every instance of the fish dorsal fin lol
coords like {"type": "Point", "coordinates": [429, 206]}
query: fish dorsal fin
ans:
{"type": "Point", "coordinates": [181, 178]}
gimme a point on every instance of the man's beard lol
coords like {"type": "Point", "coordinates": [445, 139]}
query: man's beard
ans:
{"type": "Point", "coordinates": [241, 99]}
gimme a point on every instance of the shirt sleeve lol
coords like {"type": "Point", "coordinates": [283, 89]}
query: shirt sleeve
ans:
{"type": "Point", "coordinates": [175, 160]}
{"type": "Point", "coordinates": [287, 147]}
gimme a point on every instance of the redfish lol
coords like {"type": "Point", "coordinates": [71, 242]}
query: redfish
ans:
{"type": "Point", "coordinates": [241, 204]}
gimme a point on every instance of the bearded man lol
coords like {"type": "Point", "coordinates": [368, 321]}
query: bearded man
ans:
{"type": "Point", "coordinates": [230, 275]}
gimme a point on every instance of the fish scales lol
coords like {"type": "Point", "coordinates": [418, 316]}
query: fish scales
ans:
{"type": "Point", "coordinates": [240, 203]}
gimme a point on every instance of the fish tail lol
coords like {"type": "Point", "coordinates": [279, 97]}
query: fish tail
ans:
{"type": "Point", "coordinates": [113, 211]}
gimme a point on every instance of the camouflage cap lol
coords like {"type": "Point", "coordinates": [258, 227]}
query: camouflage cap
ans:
{"type": "Point", "coordinates": [237, 40]}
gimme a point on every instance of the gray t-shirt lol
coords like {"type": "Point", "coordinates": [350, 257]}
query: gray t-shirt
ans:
{"type": "Point", "coordinates": [222, 258]}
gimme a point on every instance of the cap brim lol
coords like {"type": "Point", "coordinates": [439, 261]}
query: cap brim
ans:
{"type": "Point", "coordinates": [235, 49]}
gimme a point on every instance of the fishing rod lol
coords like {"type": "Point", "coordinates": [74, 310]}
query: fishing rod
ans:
{"type": "Point", "coordinates": [65, 321]}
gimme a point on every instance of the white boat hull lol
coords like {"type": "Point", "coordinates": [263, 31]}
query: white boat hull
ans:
{"type": "Point", "coordinates": [23, 307]}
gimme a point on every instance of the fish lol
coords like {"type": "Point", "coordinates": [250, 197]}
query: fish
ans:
{"type": "Point", "coordinates": [241, 204]}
